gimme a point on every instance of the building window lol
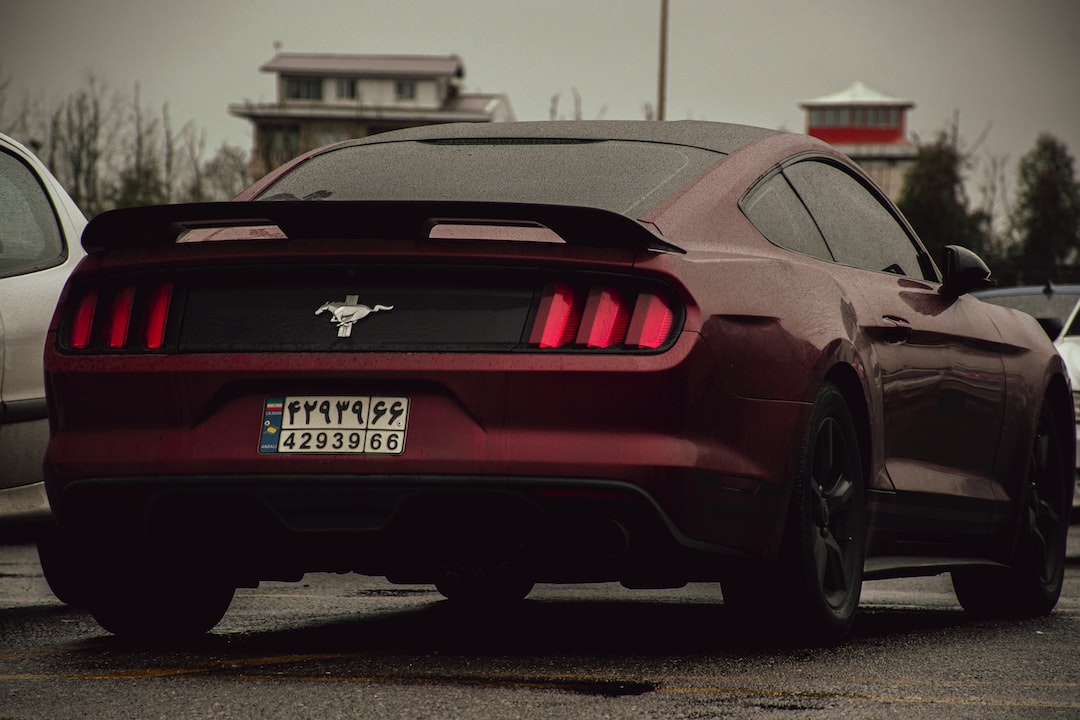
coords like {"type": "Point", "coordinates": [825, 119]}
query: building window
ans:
{"type": "Point", "coordinates": [854, 117]}
{"type": "Point", "coordinates": [346, 88]}
{"type": "Point", "coordinates": [282, 144]}
{"type": "Point", "coordinates": [405, 89]}
{"type": "Point", "coordinates": [303, 88]}
{"type": "Point", "coordinates": [831, 117]}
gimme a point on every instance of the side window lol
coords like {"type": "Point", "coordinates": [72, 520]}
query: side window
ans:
{"type": "Point", "coordinates": [778, 213]}
{"type": "Point", "coordinates": [29, 235]}
{"type": "Point", "coordinates": [859, 230]}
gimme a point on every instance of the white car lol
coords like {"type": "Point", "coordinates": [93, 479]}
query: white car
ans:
{"type": "Point", "coordinates": [40, 228]}
{"type": "Point", "coordinates": [1068, 345]}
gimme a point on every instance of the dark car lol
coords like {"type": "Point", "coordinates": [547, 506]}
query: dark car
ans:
{"type": "Point", "coordinates": [484, 356]}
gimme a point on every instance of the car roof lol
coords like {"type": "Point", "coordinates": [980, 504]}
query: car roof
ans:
{"type": "Point", "coordinates": [1052, 305]}
{"type": "Point", "coordinates": [715, 136]}
{"type": "Point", "coordinates": [1068, 289]}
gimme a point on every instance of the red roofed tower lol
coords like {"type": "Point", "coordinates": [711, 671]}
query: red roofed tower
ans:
{"type": "Point", "coordinates": [868, 126]}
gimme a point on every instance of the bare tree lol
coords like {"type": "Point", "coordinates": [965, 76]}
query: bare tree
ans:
{"type": "Point", "coordinates": [74, 147]}
{"type": "Point", "coordinates": [109, 150]}
{"type": "Point", "coordinates": [226, 174]}
{"type": "Point", "coordinates": [141, 180]}
{"type": "Point", "coordinates": [17, 120]}
{"type": "Point", "coordinates": [194, 145]}
{"type": "Point", "coordinates": [578, 114]}
{"type": "Point", "coordinates": [1002, 246]}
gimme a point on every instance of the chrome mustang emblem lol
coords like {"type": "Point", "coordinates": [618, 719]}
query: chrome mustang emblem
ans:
{"type": "Point", "coordinates": [347, 313]}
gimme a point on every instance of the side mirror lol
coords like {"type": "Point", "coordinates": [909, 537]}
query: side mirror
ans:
{"type": "Point", "coordinates": [964, 271]}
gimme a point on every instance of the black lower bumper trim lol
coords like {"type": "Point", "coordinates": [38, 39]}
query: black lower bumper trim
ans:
{"type": "Point", "coordinates": [563, 530]}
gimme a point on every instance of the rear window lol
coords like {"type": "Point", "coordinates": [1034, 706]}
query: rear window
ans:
{"type": "Point", "coordinates": [627, 177]}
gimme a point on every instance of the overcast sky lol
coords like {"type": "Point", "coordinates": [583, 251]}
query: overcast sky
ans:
{"type": "Point", "coordinates": [1007, 66]}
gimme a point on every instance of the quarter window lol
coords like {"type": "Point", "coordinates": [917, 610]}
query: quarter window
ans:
{"type": "Point", "coordinates": [858, 228]}
{"type": "Point", "coordinates": [30, 238]}
{"type": "Point", "coordinates": [776, 211]}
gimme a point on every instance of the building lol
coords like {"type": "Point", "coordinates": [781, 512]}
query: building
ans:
{"type": "Point", "coordinates": [869, 127]}
{"type": "Point", "coordinates": [324, 98]}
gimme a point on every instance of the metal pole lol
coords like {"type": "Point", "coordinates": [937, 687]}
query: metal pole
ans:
{"type": "Point", "coordinates": [661, 100]}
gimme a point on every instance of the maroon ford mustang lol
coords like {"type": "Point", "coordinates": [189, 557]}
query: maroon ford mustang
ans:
{"type": "Point", "coordinates": [483, 356]}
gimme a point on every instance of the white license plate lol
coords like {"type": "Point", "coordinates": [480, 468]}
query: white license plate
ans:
{"type": "Point", "coordinates": [330, 424]}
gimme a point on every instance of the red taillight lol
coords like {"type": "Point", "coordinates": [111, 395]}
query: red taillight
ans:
{"type": "Point", "coordinates": [146, 306]}
{"type": "Point", "coordinates": [558, 317]}
{"type": "Point", "coordinates": [120, 317]}
{"type": "Point", "coordinates": [607, 314]}
{"type": "Point", "coordinates": [84, 320]}
{"type": "Point", "coordinates": [601, 317]}
{"type": "Point", "coordinates": [651, 322]}
{"type": "Point", "coordinates": [156, 314]}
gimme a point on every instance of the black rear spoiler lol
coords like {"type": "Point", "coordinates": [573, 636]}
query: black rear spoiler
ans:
{"type": "Point", "coordinates": [364, 219]}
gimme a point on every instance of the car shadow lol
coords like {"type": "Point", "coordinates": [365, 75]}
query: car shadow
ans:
{"type": "Point", "coordinates": [542, 629]}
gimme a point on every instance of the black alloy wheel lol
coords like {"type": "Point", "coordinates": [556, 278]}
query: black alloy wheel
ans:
{"type": "Point", "coordinates": [810, 596]}
{"type": "Point", "coordinates": [827, 541]}
{"type": "Point", "coordinates": [487, 583]}
{"type": "Point", "coordinates": [1032, 584]}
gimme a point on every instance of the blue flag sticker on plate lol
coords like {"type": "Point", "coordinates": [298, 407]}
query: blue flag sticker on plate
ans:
{"type": "Point", "coordinates": [271, 426]}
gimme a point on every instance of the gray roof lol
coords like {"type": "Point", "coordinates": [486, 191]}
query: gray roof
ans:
{"type": "Point", "coordinates": [715, 136]}
{"type": "Point", "coordinates": [366, 65]}
{"type": "Point", "coordinates": [466, 107]}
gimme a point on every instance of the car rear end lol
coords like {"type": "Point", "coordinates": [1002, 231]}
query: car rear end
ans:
{"type": "Point", "coordinates": [274, 407]}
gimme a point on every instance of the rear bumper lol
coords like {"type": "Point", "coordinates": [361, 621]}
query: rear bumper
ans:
{"type": "Point", "coordinates": [718, 465]}
{"type": "Point", "coordinates": [406, 528]}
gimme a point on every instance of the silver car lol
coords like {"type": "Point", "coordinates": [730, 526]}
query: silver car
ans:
{"type": "Point", "coordinates": [40, 227]}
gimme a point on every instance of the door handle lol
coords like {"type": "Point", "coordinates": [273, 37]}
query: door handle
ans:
{"type": "Point", "coordinates": [897, 329]}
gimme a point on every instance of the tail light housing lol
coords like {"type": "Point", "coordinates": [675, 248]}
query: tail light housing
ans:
{"type": "Point", "coordinates": [602, 317]}
{"type": "Point", "coordinates": [579, 313]}
{"type": "Point", "coordinates": [127, 317]}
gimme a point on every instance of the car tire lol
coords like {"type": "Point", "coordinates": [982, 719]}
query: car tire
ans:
{"type": "Point", "coordinates": [489, 584]}
{"type": "Point", "coordinates": [60, 569]}
{"type": "Point", "coordinates": [160, 609]}
{"type": "Point", "coordinates": [1032, 584]}
{"type": "Point", "coordinates": [812, 593]}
